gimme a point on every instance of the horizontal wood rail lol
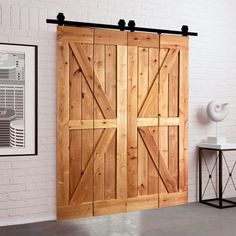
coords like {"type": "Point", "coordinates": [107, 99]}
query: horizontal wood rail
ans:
{"type": "Point", "coordinates": [162, 121]}
{"type": "Point", "coordinates": [92, 124]}
{"type": "Point", "coordinates": [112, 123]}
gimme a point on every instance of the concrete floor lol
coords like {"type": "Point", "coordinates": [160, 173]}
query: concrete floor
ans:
{"type": "Point", "coordinates": [188, 220]}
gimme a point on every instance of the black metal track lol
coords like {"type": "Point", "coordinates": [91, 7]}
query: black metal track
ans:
{"type": "Point", "coordinates": [121, 26]}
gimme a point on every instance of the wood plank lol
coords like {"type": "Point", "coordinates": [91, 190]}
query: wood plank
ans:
{"type": "Point", "coordinates": [147, 122]}
{"type": "Point", "coordinates": [109, 206]}
{"type": "Point", "coordinates": [173, 110]}
{"type": "Point", "coordinates": [99, 70]}
{"type": "Point", "coordinates": [122, 122]}
{"type": "Point", "coordinates": [152, 74]}
{"type": "Point", "coordinates": [169, 121]}
{"type": "Point", "coordinates": [173, 147]}
{"type": "Point", "coordinates": [74, 211]}
{"type": "Point", "coordinates": [80, 35]}
{"type": "Point", "coordinates": [132, 157]}
{"type": "Point", "coordinates": [160, 166]}
{"type": "Point", "coordinates": [75, 113]}
{"type": "Point", "coordinates": [142, 202]}
{"type": "Point", "coordinates": [163, 112]}
{"type": "Point", "coordinates": [143, 39]}
{"type": "Point", "coordinates": [163, 86]}
{"type": "Point", "coordinates": [110, 157]}
{"type": "Point", "coordinates": [62, 119]}
{"type": "Point", "coordinates": [173, 41]}
{"type": "Point", "coordinates": [142, 93]}
{"type": "Point", "coordinates": [93, 81]}
{"type": "Point", "coordinates": [92, 124]}
{"type": "Point", "coordinates": [110, 37]}
{"type": "Point", "coordinates": [111, 80]}
{"type": "Point", "coordinates": [99, 151]}
{"type": "Point", "coordinates": [75, 158]}
{"type": "Point", "coordinates": [173, 199]}
{"type": "Point", "coordinates": [183, 129]}
{"type": "Point", "coordinates": [87, 135]}
{"type": "Point", "coordinates": [153, 178]}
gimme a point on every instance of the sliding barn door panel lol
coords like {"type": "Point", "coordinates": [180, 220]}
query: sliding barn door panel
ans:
{"type": "Point", "coordinates": [75, 115]}
{"type": "Point", "coordinates": [173, 122]}
{"type": "Point", "coordinates": [110, 173]}
{"type": "Point", "coordinates": [143, 64]}
{"type": "Point", "coordinates": [122, 121]}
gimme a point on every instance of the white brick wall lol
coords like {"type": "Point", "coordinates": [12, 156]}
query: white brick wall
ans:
{"type": "Point", "coordinates": [27, 184]}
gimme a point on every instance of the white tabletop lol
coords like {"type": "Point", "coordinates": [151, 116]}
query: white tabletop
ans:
{"type": "Point", "coordinates": [218, 146]}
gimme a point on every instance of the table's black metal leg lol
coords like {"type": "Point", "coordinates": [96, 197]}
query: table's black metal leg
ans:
{"type": "Point", "coordinates": [200, 174]}
{"type": "Point", "coordinates": [220, 180]}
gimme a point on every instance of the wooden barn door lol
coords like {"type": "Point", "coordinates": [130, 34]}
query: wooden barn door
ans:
{"type": "Point", "coordinates": [92, 122]}
{"type": "Point", "coordinates": [75, 123]}
{"type": "Point", "coordinates": [173, 120]}
{"type": "Point", "coordinates": [157, 120]}
{"type": "Point", "coordinates": [121, 121]}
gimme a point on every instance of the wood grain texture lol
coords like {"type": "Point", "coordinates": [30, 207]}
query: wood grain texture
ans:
{"type": "Point", "coordinates": [80, 35]}
{"type": "Point", "coordinates": [172, 41]}
{"type": "Point", "coordinates": [109, 206]}
{"type": "Point", "coordinates": [142, 202]}
{"type": "Point", "coordinates": [183, 113]}
{"type": "Point", "coordinates": [122, 122]}
{"type": "Point", "coordinates": [75, 102]}
{"type": "Point", "coordinates": [143, 39]}
{"type": "Point", "coordinates": [152, 147]}
{"type": "Point", "coordinates": [62, 119]}
{"type": "Point", "coordinates": [92, 124]}
{"type": "Point", "coordinates": [110, 157]}
{"type": "Point", "coordinates": [87, 135]}
{"type": "Point", "coordinates": [110, 37]}
{"type": "Point", "coordinates": [92, 80]}
{"type": "Point", "coordinates": [169, 121]}
{"type": "Point", "coordinates": [132, 157]}
{"type": "Point", "coordinates": [166, 61]}
{"type": "Point", "coordinates": [173, 199]}
{"type": "Point", "coordinates": [153, 178]}
{"type": "Point", "coordinates": [142, 93]}
{"type": "Point", "coordinates": [75, 157]}
{"type": "Point", "coordinates": [173, 111]}
{"type": "Point", "coordinates": [99, 70]}
{"type": "Point", "coordinates": [147, 122]}
{"type": "Point", "coordinates": [74, 211]}
{"type": "Point", "coordinates": [99, 151]}
{"type": "Point", "coordinates": [163, 111]}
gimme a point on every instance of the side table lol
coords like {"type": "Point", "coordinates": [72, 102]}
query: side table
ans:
{"type": "Point", "coordinates": [219, 149]}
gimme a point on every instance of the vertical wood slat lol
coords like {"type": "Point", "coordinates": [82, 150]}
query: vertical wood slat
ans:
{"type": "Point", "coordinates": [173, 110]}
{"type": "Point", "coordinates": [121, 122]}
{"type": "Point", "coordinates": [142, 93]}
{"type": "Point", "coordinates": [110, 157]}
{"type": "Point", "coordinates": [62, 119]}
{"type": "Point", "coordinates": [87, 135]}
{"type": "Point", "coordinates": [163, 111]}
{"type": "Point", "coordinates": [99, 69]}
{"type": "Point", "coordinates": [183, 128]}
{"type": "Point", "coordinates": [132, 155]}
{"type": "Point", "coordinates": [75, 114]}
{"type": "Point", "coordinates": [153, 112]}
